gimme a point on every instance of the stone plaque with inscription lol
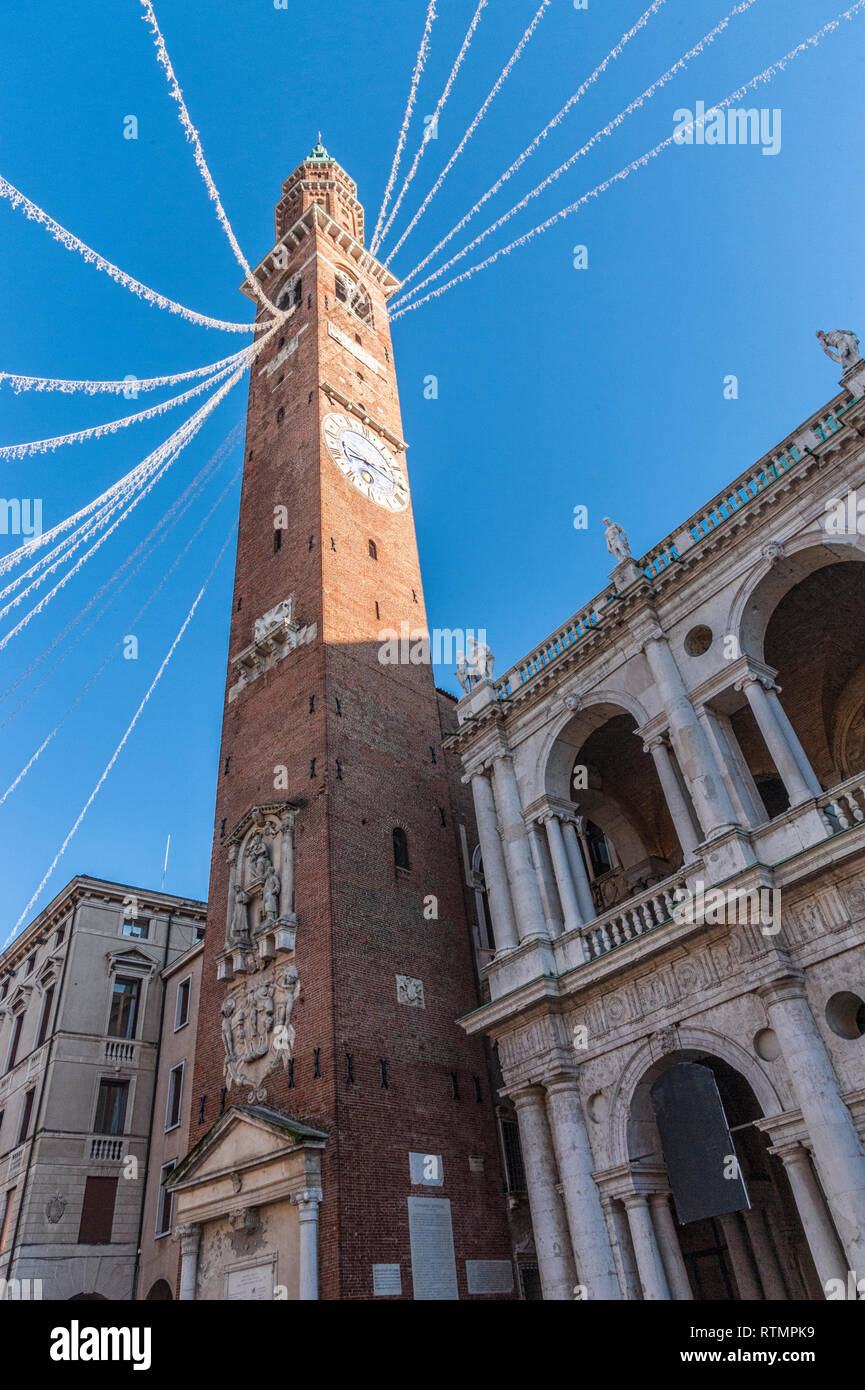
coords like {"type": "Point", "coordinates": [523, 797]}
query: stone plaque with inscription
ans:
{"type": "Point", "coordinates": [433, 1263]}
{"type": "Point", "coordinates": [386, 1280]}
{"type": "Point", "coordinates": [490, 1276]}
{"type": "Point", "coordinates": [253, 1283]}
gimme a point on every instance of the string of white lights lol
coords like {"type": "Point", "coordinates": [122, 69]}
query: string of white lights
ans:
{"type": "Point", "coordinates": [43, 446]}
{"type": "Point", "coordinates": [169, 450]}
{"type": "Point", "coordinates": [505, 73]}
{"type": "Point", "coordinates": [763, 77]}
{"type": "Point", "coordinates": [432, 123]}
{"type": "Point", "coordinates": [530, 149]}
{"type": "Point", "coordinates": [193, 136]}
{"type": "Point", "coordinates": [131, 384]}
{"type": "Point", "coordinates": [118, 750]}
{"type": "Point", "coordinates": [599, 135]}
{"type": "Point", "coordinates": [66, 238]}
{"type": "Point", "coordinates": [52, 559]}
{"type": "Point", "coordinates": [132, 624]}
{"type": "Point", "coordinates": [420, 64]}
{"type": "Point", "coordinates": [116, 584]}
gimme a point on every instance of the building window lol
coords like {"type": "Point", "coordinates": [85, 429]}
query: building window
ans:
{"type": "Point", "coordinates": [47, 1002]}
{"type": "Point", "coordinates": [349, 292]}
{"type": "Point", "coordinates": [514, 1167]}
{"type": "Point", "coordinates": [181, 1013]}
{"type": "Point", "coordinates": [111, 1107]}
{"type": "Point", "coordinates": [28, 969]}
{"type": "Point", "coordinates": [26, 1113]}
{"type": "Point", "coordinates": [373, 550]}
{"type": "Point", "coordinates": [291, 295]}
{"type": "Point", "coordinates": [16, 1038]}
{"type": "Point", "coordinates": [139, 929]}
{"type": "Point", "coordinates": [199, 934]}
{"type": "Point", "coordinates": [97, 1213]}
{"type": "Point", "coordinates": [165, 1208]}
{"type": "Point", "coordinates": [124, 1008]}
{"type": "Point", "coordinates": [4, 988]}
{"type": "Point", "coordinates": [400, 850]}
{"type": "Point", "coordinates": [599, 850]}
{"type": "Point", "coordinates": [7, 1217]}
{"type": "Point", "coordinates": [59, 937]}
{"type": "Point", "coordinates": [175, 1096]}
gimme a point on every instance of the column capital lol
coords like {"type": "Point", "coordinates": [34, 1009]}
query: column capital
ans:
{"type": "Point", "coordinates": [655, 741]}
{"type": "Point", "coordinates": [189, 1237]}
{"type": "Point", "coordinates": [632, 1200]}
{"type": "Point", "coordinates": [307, 1202]}
{"type": "Point", "coordinates": [525, 1097]}
{"type": "Point", "coordinates": [564, 1081]}
{"type": "Point", "coordinates": [755, 678]}
{"type": "Point", "coordinates": [788, 986]}
{"type": "Point", "coordinates": [791, 1153]}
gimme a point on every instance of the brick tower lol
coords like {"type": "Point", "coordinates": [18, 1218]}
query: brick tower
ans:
{"type": "Point", "coordinates": [339, 953]}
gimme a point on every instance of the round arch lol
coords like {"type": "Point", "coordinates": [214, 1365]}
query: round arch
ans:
{"type": "Point", "coordinates": [568, 733]}
{"type": "Point", "coordinates": [160, 1292]}
{"type": "Point", "coordinates": [645, 1066]}
{"type": "Point", "coordinates": [772, 579]}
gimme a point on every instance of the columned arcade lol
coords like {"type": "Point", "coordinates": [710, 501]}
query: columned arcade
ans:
{"type": "Point", "coordinates": [670, 799]}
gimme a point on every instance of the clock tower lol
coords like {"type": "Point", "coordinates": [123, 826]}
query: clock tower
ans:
{"type": "Point", "coordinates": [343, 1138]}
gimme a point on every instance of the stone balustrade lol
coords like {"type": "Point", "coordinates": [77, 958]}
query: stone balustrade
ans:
{"type": "Point", "coordinates": [634, 918]}
{"type": "Point", "coordinates": [844, 806]}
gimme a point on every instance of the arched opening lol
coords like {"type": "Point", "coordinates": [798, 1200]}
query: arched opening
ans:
{"type": "Point", "coordinates": [88, 1298]}
{"type": "Point", "coordinates": [627, 837]}
{"type": "Point", "coordinates": [744, 1239]}
{"type": "Point", "coordinates": [806, 620]}
{"type": "Point", "coordinates": [160, 1292]}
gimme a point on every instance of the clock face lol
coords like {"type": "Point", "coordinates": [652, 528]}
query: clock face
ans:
{"type": "Point", "coordinates": [366, 461]}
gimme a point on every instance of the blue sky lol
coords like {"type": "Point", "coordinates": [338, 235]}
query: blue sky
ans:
{"type": "Point", "coordinates": [557, 386]}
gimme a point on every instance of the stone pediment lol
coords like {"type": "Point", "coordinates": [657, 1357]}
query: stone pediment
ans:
{"type": "Point", "coordinates": [258, 815]}
{"type": "Point", "coordinates": [133, 958]}
{"type": "Point", "coordinates": [246, 1136]}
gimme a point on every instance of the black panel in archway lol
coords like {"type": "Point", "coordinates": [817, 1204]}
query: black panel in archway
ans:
{"type": "Point", "coordinates": [698, 1149]}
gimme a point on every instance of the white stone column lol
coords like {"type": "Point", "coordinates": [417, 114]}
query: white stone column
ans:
{"type": "Point", "coordinates": [837, 1148]}
{"type": "Point", "coordinates": [286, 868]}
{"type": "Point", "coordinates": [768, 1268]}
{"type": "Point", "coordinates": [593, 1253]}
{"type": "Point", "coordinates": [562, 869]}
{"type": "Point", "coordinates": [307, 1202]}
{"type": "Point", "coordinates": [702, 775]}
{"type": "Point", "coordinates": [546, 879]}
{"type": "Point", "coordinates": [807, 771]}
{"type": "Point", "coordinates": [820, 1234]}
{"type": "Point", "coordinates": [549, 1223]}
{"type": "Point", "coordinates": [741, 787]}
{"type": "Point", "coordinates": [649, 1263]}
{"type": "Point", "coordinates": [495, 873]}
{"type": "Point", "coordinates": [190, 1244]}
{"type": "Point", "coordinates": [774, 737]}
{"type": "Point", "coordinates": [620, 1240]}
{"type": "Point", "coordinates": [579, 873]}
{"type": "Point", "coordinates": [671, 1250]}
{"type": "Point", "coordinates": [525, 892]}
{"type": "Point", "coordinates": [674, 796]}
{"type": "Point", "coordinates": [740, 1258]}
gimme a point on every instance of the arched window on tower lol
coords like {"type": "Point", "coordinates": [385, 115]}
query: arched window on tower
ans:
{"type": "Point", "coordinates": [348, 292]}
{"type": "Point", "coordinates": [400, 850]}
{"type": "Point", "coordinates": [291, 294]}
{"type": "Point", "coordinates": [373, 550]}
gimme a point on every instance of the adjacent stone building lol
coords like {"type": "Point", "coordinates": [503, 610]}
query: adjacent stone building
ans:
{"type": "Point", "coordinates": [670, 796]}
{"type": "Point", "coordinates": [81, 1006]}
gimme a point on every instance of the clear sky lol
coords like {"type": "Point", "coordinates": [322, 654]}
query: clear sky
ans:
{"type": "Point", "coordinates": [556, 386]}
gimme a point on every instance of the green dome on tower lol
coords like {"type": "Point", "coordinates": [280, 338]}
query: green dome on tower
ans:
{"type": "Point", "coordinates": [318, 154]}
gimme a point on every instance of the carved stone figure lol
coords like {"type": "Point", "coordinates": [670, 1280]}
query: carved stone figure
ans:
{"type": "Point", "coordinates": [482, 663]}
{"type": "Point", "coordinates": [270, 894]}
{"type": "Point", "coordinates": [277, 617]}
{"type": "Point", "coordinates": [258, 856]}
{"type": "Point", "coordinates": [617, 541]}
{"type": "Point", "coordinates": [257, 1032]}
{"type": "Point", "coordinates": [240, 920]}
{"type": "Point", "coordinates": [463, 674]}
{"type": "Point", "coordinates": [841, 345]}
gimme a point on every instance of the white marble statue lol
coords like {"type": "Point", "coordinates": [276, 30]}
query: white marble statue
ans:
{"type": "Point", "coordinates": [617, 541]}
{"type": "Point", "coordinates": [841, 345]}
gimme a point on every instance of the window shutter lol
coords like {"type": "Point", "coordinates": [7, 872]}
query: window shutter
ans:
{"type": "Point", "coordinates": [97, 1214]}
